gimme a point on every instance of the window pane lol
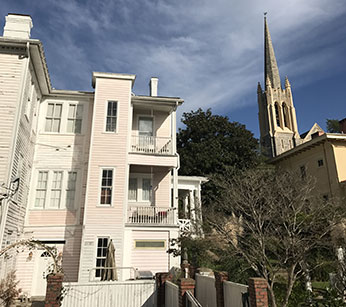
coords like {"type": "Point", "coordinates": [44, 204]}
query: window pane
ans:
{"type": "Point", "coordinates": [70, 124]}
{"type": "Point", "coordinates": [146, 189]}
{"type": "Point", "coordinates": [50, 109]}
{"type": "Point", "coordinates": [56, 125]}
{"type": "Point", "coordinates": [150, 244]}
{"type": "Point", "coordinates": [78, 126]}
{"type": "Point", "coordinates": [145, 126]}
{"type": "Point", "coordinates": [79, 111]}
{"type": "Point", "coordinates": [57, 110]}
{"type": "Point", "coordinates": [72, 111]}
{"type": "Point", "coordinates": [48, 127]}
{"type": "Point", "coordinates": [133, 189]}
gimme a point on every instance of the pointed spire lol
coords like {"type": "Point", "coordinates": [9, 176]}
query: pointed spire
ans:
{"type": "Point", "coordinates": [259, 88]}
{"type": "Point", "coordinates": [271, 69]}
{"type": "Point", "coordinates": [287, 83]}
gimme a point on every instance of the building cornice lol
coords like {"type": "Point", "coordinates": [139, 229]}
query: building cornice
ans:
{"type": "Point", "coordinates": [308, 145]}
{"type": "Point", "coordinates": [108, 75]}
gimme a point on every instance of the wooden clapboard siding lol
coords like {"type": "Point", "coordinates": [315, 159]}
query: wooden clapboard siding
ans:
{"type": "Point", "coordinates": [70, 253]}
{"type": "Point", "coordinates": [106, 150]}
{"type": "Point", "coordinates": [154, 260]}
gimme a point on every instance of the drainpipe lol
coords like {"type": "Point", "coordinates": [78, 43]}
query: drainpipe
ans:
{"type": "Point", "coordinates": [325, 155]}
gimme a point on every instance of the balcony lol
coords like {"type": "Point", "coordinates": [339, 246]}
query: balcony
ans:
{"type": "Point", "coordinates": [152, 145]}
{"type": "Point", "coordinates": [151, 215]}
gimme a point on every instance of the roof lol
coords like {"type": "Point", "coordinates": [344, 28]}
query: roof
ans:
{"type": "Point", "coordinates": [308, 145]}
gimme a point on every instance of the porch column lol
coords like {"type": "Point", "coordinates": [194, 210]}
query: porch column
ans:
{"type": "Point", "coordinates": [186, 205]}
{"type": "Point", "coordinates": [192, 208]}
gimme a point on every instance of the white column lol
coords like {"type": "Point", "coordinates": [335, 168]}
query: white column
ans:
{"type": "Point", "coordinates": [186, 204]}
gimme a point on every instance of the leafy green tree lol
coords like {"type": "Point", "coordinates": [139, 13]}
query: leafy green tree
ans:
{"type": "Point", "coordinates": [210, 142]}
{"type": "Point", "coordinates": [333, 126]}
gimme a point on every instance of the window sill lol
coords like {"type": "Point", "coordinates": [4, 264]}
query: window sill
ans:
{"type": "Point", "coordinates": [104, 206]}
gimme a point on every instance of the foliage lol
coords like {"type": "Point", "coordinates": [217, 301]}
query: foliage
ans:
{"type": "Point", "coordinates": [211, 143]}
{"type": "Point", "coordinates": [8, 289]}
{"type": "Point", "coordinates": [333, 126]}
{"type": "Point", "coordinates": [272, 219]}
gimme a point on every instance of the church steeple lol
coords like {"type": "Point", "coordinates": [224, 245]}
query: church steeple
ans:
{"type": "Point", "coordinates": [277, 115]}
{"type": "Point", "coordinates": [271, 69]}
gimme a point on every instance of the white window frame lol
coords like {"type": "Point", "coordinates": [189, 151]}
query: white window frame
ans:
{"type": "Point", "coordinates": [63, 202]}
{"type": "Point", "coordinates": [75, 118]}
{"type": "Point", "coordinates": [100, 186]}
{"type": "Point", "coordinates": [96, 257]}
{"type": "Point", "coordinates": [53, 117]}
{"type": "Point", "coordinates": [106, 115]}
{"type": "Point", "coordinates": [140, 177]}
{"type": "Point", "coordinates": [150, 247]}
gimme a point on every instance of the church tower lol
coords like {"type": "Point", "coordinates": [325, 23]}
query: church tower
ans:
{"type": "Point", "coordinates": [277, 115]}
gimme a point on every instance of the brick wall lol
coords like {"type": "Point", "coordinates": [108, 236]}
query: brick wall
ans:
{"type": "Point", "coordinates": [258, 292]}
{"type": "Point", "coordinates": [54, 288]}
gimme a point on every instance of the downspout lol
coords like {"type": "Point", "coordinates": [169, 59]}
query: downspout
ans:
{"type": "Point", "coordinates": [5, 205]}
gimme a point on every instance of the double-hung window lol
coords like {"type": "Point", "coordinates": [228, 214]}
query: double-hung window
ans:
{"type": "Point", "coordinates": [41, 189]}
{"type": "Point", "coordinates": [71, 189]}
{"type": "Point", "coordinates": [55, 189]}
{"type": "Point", "coordinates": [111, 121]}
{"type": "Point", "coordinates": [55, 193]}
{"type": "Point", "coordinates": [101, 253]}
{"type": "Point", "coordinates": [106, 187]}
{"type": "Point", "coordinates": [74, 120]}
{"type": "Point", "coordinates": [53, 118]}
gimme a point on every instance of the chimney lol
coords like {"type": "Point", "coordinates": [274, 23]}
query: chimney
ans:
{"type": "Point", "coordinates": [153, 86]}
{"type": "Point", "coordinates": [17, 26]}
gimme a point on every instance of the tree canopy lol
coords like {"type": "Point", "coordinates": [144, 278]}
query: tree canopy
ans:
{"type": "Point", "coordinates": [333, 126]}
{"type": "Point", "coordinates": [276, 222]}
{"type": "Point", "coordinates": [210, 143]}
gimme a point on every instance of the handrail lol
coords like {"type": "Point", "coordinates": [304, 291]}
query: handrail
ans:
{"type": "Point", "coordinates": [147, 144]}
{"type": "Point", "coordinates": [191, 301]}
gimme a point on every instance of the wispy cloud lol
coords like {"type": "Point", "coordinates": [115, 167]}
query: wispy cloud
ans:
{"type": "Point", "coordinates": [208, 52]}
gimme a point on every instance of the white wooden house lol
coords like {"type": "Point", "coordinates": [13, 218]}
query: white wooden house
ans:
{"type": "Point", "coordinates": [93, 167]}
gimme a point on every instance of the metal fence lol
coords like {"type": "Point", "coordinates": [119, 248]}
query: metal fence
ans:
{"type": "Point", "coordinates": [205, 290]}
{"type": "Point", "coordinates": [171, 294]}
{"type": "Point", "coordinates": [235, 295]}
{"type": "Point", "coordinates": [191, 301]}
{"type": "Point", "coordinates": [110, 294]}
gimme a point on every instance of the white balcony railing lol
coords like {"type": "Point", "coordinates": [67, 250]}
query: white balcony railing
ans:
{"type": "Point", "coordinates": [151, 215]}
{"type": "Point", "coordinates": [152, 145]}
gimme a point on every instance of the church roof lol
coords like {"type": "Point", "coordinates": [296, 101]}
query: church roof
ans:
{"type": "Point", "coordinates": [271, 69]}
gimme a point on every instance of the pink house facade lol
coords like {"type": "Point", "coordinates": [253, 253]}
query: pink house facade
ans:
{"type": "Point", "coordinates": [93, 167]}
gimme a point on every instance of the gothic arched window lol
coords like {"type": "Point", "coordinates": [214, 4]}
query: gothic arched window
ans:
{"type": "Point", "coordinates": [277, 114]}
{"type": "Point", "coordinates": [285, 112]}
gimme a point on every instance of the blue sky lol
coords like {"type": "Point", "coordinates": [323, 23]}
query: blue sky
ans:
{"type": "Point", "coordinates": [210, 53]}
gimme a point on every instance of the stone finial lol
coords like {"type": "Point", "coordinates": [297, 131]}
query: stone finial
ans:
{"type": "Point", "coordinates": [287, 83]}
{"type": "Point", "coordinates": [259, 88]}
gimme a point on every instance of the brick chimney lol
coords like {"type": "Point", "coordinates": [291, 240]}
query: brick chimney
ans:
{"type": "Point", "coordinates": [17, 26]}
{"type": "Point", "coordinates": [153, 86]}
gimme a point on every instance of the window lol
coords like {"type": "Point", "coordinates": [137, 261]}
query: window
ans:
{"type": "Point", "coordinates": [320, 162]}
{"type": "Point", "coordinates": [277, 116]}
{"type": "Point", "coordinates": [41, 189]}
{"type": "Point", "coordinates": [101, 252]}
{"type": "Point", "coordinates": [146, 189]}
{"type": "Point", "coordinates": [285, 112]}
{"type": "Point", "coordinates": [74, 120]}
{"type": "Point", "coordinates": [140, 188]}
{"type": "Point", "coordinates": [145, 126]}
{"type": "Point", "coordinates": [106, 187]}
{"type": "Point", "coordinates": [111, 123]}
{"type": "Point", "coordinates": [53, 118]}
{"type": "Point", "coordinates": [133, 189]}
{"type": "Point", "coordinates": [55, 189]}
{"type": "Point", "coordinates": [55, 194]}
{"type": "Point", "coordinates": [71, 189]}
{"type": "Point", "coordinates": [303, 172]}
{"type": "Point", "coordinates": [154, 244]}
